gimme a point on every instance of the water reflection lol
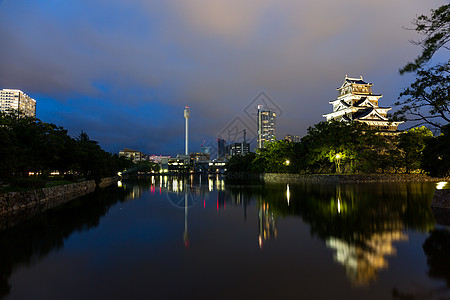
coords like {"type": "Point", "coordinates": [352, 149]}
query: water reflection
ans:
{"type": "Point", "coordinates": [267, 223]}
{"type": "Point", "coordinates": [362, 263]}
{"type": "Point", "coordinates": [363, 258]}
{"type": "Point", "coordinates": [361, 225]}
{"type": "Point", "coordinates": [33, 240]}
{"type": "Point", "coordinates": [437, 250]}
{"type": "Point", "coordinates": [183, 192]}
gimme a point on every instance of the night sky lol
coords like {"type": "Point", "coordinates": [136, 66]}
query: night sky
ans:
{"type": "Point", "coordinates": [123, 70]}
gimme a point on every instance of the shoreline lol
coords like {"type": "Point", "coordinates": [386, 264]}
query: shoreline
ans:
{"type": "Point", "coordinates": [16, 207]}
{"type": "Point", "coordinates": [335, 178]}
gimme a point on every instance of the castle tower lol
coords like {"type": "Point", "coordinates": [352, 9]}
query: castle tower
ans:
{"type": "Point", "coordinates": [356, 102]}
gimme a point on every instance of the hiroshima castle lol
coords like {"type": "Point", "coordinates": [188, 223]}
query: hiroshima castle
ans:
{"type": "Point", "coordinates": [356, 102]}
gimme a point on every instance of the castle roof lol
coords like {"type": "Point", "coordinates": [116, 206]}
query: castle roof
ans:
{"type": "Point", "coordinates": [355, 80]}
{"type": "Point", "coordinates": [363, 113]}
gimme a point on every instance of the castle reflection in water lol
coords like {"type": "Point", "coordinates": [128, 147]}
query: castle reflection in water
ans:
{"type": "Point", "coordinates": [357, 222]}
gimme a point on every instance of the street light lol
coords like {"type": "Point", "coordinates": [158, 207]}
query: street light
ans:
{"type": "Point", "coordinates": [338, 162]}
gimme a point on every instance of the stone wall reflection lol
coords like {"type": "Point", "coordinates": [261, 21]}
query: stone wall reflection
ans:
{"type": "Point", "coordinates": [360, 223]}
{"type": "Point", "coordinates": [35, 238]}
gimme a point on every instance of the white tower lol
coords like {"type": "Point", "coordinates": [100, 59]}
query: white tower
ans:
{"type": "Point", "coordinates": [187, 114]}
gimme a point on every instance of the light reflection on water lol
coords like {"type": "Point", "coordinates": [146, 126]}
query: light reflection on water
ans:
{"type": "Point", "coordinates": [287, 236]}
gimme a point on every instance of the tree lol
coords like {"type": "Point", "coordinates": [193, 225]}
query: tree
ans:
{"type": "Point", "coordinates": [240, 163]}
{"type": "Point", "coordinates": [411, 144]}
{"type": "Point", "coordinates": [346, 145]}
{"type": "Point", "coordinates": [9, 151]}
{"type": "Point", "coordinates": [436, 155]}
{"type": "Point", "coordinates": [30, 145]}
{"type": "Point", "coordinates": [275, 157]}
{"type": "Point", "coordinates": [436, 30]}
{"type": "Point", "coordinates": [427, 100]}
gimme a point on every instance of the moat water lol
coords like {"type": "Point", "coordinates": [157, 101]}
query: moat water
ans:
{"type": "Point", "coordinates": [204, 238]}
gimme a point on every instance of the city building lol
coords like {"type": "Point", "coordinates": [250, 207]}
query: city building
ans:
{"type": "Point", "coordinates": [164, 164]}
{"type": "Point", "coordinates": [292, 138]}
{"type": "Point", "coordinates": [238, 148]}
{"type": "Point", "coordinates": [217, 167]}
{"type": "Point", "coordinates": [221, 149]}
{"type": "Point", "coordinates": [266, 122]}
{"type": "Point", "coordinates": [196, 157]}
{"type": "Point", "coordinates": [16, 100]}
{"type": "Point", "coordinates": [179, 164]}
{"type": "Point", "coordinates": [133, 155]}
{"type": "Point", "coordinates": [356, 102]}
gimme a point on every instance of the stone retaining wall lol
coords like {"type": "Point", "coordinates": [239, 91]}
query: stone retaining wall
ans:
{"type": "Point", "coordinates": [16, 207]}
{"type": "Point", "coordinates": [108, 181]}
{"type": "Point", "coordinates": [15, 202]}
{"type": "Point", "coordinates": [335, 178]}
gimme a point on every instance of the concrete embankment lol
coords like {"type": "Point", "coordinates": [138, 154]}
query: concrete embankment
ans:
{"type": "Point", "coordinates": [339, 178]}
{"type": "Point", "coordinates": [17, 206]}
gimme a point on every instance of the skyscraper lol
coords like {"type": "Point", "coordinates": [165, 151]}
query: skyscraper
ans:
{"type": "Point", "coordinates": [221, 149]}
{"type": "Point", "coordinates": [266, 122]}
{"type": "Point", "coordinates": [13, 100]}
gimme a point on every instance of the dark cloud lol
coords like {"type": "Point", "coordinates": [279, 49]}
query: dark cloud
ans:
{"type": "Point", "coordinates": [124, 70]}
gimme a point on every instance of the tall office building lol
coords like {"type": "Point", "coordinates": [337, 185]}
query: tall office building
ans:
{"type": "Point", "coordinates": [11, 100]}
{"type": "Point", "coordinates": [221, 149]}
{"type": "Point", "coordinates": [266, 122]}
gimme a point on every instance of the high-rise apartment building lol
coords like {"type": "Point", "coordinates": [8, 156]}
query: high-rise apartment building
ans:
{"type": "Point", "coordinates": [13, 100]}
{"type": "Point", "coordinates": [266, 122]}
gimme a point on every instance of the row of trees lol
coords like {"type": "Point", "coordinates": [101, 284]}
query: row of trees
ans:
{"type": "Point", "coordinates": [30, 145]}
{"type": "Point", "coordinates": [341, 147]}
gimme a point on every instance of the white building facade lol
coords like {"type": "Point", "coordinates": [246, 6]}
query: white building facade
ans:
{"type": "Point", "coordinates": [16, 100]}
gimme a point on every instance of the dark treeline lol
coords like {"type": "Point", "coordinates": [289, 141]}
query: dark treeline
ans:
{"type": "Point", "coordinates": [30, 145]}
{"type": "Point", "coordinates": [341, 147]}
